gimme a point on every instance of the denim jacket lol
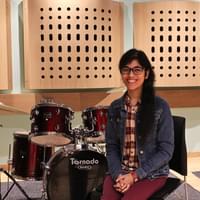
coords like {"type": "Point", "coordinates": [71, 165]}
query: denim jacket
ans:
{"type": "Point", "coordinates": [154, 154]}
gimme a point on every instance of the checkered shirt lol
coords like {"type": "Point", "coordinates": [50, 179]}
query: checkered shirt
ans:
{"type": "Point", "coordinates": [130, 159]}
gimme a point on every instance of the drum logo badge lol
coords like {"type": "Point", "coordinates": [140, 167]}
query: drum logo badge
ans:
{"type": "Point", "coordinates": [84, 164]}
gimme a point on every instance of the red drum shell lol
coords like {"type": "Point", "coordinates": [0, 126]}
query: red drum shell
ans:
{"type": "Point", "coordinates": [51, 124]}
{"type": "Point", "coordinates": [28, 158]}
{"type": "Point", "coordinates": [95, 119]}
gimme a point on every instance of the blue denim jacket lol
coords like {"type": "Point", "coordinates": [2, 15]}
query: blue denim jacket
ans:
{"type": "Point", "coordinates": [157, 150]}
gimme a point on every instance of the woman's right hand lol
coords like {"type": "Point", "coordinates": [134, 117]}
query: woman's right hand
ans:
{"type": "Point", "coordinates": [124, 182]}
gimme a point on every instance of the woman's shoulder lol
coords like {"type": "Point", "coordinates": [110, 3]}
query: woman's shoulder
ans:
{"type": "Point", "coordinates": [161, 102]}
{"type": "Point", "coordinates": [117, 102]}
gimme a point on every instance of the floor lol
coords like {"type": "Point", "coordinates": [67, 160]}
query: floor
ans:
{"type": "Point", "coordinates": [194, 167]}
{"type": "Point", "coordinates": [192, 179]}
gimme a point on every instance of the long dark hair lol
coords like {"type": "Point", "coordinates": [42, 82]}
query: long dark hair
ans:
{"type": "Point", "coordinates": [146, 109]}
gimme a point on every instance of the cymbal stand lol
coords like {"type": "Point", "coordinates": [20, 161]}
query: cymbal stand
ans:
{"type": "Point", "coordinates": [12, 178]}
{"type": "Point", "coordinates": [45, 166]}
{"type": "Point", "coordinates": [1, 170]}
{"type": "Point", "coordinates": [0, 187]}
{"type": "Point", "coordinates": [9, 164]}
{"type": "Point", "coordinates": [14, 182]}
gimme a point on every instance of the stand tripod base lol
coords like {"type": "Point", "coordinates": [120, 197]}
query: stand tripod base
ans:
{"type": "Point", "coordinates": [10, 188]}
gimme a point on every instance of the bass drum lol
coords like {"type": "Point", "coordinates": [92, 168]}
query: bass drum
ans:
{"type": "Point", "coordinates": [72, 175]}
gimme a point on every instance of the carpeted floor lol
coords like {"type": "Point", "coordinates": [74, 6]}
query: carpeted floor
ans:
{"type": "Point", "coordinates": [34, 191]}
{"type": "Point", "coordinates": [32, 188]}
{"type": "Point", "coordinates": [179, 194]}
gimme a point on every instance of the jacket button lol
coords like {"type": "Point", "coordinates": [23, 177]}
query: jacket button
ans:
{"type": "Point", "coordinates": [141, 151]}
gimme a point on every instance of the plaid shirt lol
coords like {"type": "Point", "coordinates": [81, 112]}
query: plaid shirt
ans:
{"type": "Point", "coordinates": [130, 159]}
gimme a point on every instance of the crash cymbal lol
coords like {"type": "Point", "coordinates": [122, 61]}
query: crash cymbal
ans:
{"type": "Point", "coordinates": [9, 108]}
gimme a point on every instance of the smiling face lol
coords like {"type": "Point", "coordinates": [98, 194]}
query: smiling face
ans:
{"type": "Point", "coordinates": [134, 81]}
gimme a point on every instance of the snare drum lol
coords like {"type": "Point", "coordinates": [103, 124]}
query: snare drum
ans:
{"type": "Point", "coordinates": [72, 174]}
{"type": "Point", "coordinates": [51, 124]}
{"type": "Point", "coordinates": [28, 158]}
{"type": "Point", "coordinates": [94, 120]}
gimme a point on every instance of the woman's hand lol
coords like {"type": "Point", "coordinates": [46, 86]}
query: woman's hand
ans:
{"type": "Point", "coordinates": [124, 182]}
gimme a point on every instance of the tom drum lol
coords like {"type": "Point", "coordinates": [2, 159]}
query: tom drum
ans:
{"type": "Point", "coordinates": [94, 120]}
{"type": "Point", "coordinates": [51, 124]}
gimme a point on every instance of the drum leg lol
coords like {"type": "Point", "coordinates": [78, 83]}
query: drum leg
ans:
{"type": "Point", "coordinates": [45, 167]}
{"type": "Point", "coordinates": [44, 194]}
{"type": "Point", "coordinates": [14, 182]}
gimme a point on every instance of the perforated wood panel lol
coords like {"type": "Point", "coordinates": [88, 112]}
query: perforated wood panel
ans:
{"type": "Point", "coordinates": [72, 44]}
{"type": "Point", "coordinates": [5, 46]}
{"type": "Point", "coordinates": [169, 33]}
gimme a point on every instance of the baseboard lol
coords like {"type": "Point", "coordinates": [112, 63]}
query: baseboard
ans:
{"type": "Point", "coordinates": [4, 166]}
{"type": "Point", "coordinates": [193, 154]}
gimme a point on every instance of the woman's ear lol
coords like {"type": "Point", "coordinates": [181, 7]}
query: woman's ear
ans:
{"type": "Point", "coordinates": [146, 74]}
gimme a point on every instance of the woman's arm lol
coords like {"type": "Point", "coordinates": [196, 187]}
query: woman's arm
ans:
{"type": "Point", "coordinates": [164, 144]}
{"type": "Point", "coordinates": [113, 153]}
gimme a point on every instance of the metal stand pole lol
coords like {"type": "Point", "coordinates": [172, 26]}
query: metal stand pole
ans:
{"type": "Point", "coordinates": [17, 184]}
{"type": "Point", "coordinates": [9, 164]}
{"type": "Point", "coordinates": [0, 186]}
{"type": "Point", "coordinates": [8, 179]}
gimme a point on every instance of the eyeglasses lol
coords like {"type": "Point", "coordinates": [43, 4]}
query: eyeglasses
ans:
{"type": "Point", "coordinates": [127, 70]}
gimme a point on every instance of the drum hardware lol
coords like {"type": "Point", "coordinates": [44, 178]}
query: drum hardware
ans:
{"type": "Point", "coordinates": [9, 163]}
{"type": "Point", "coordinates": [79, 138]}
{"type": "Point", "coordinates": [44, 162]}
{"type": "Point", "coordinates": [100, 147]}
{"type": "Point", "coordinates": [9, 176]}
{"type": "Point", "coordinates": [45, 167]}
{"type": "Point", "coordinates": [58, 111]}
{"type": "Point", "coordinates": [83, 142]}
{"type": "Point", "coordinates": [89, 129]}
{"type": "Point", "coordinates": [14, 183]}
{"type": "Point", "coordinates": [69, 125]}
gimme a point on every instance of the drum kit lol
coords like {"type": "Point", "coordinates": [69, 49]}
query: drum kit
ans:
{"type": "Point", "coordinates": [77, 167]}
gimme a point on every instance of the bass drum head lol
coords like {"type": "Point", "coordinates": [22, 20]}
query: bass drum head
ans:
{"type": "Point", "coordinates": [73, 175]}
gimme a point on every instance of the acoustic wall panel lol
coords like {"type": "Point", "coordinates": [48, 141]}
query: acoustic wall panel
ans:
{"type": "Point", "coordinates": [72, 44]}
{"type": "Point", "coordinates": [5, 42]}
{"type": "Point", "coordinates": [168, 32]}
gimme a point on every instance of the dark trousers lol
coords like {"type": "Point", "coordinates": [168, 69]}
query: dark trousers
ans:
{"type": "Point", "coordinates": [140, 190]}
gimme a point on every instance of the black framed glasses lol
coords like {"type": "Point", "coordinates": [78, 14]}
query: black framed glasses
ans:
{"type": "Point", "coordinates": [127, 70]}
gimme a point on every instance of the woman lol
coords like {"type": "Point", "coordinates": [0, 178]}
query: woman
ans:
{"type": "Point", "coordinates": [139, 134]}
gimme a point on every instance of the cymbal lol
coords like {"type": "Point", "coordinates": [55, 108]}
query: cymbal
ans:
{"type": "Point", "coordinates": [9, 108]}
